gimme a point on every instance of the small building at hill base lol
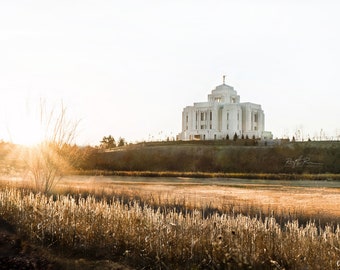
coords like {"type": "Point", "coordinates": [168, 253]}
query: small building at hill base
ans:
{"type": "Point", "coordinates": [223, 116]}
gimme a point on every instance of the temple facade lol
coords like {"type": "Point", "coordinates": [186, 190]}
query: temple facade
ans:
{"type": "Point", "coordinates": [221, 117]}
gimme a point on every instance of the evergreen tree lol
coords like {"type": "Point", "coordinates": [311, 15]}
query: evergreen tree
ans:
{"type": "Point", "coordinates": [121, 142]}
{"type": "Point", "coordinates": [235, 136]}
{"type": "Point", "coordinates": [108, 142]}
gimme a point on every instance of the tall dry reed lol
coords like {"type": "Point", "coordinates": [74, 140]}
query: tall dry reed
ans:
{"type": "Point", "coordinates": [167, 238]}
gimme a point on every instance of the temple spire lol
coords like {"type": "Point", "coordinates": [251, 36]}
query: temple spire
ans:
{"type": "Point", "coordinates": [224, 79]}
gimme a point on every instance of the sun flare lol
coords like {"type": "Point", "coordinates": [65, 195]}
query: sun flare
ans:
{"type": "Point", "coordinates": [21, 121]}
{"type": "Point", "coordinates": [29, 122]}
{"type": "Point", "coordinates": [29, 132]}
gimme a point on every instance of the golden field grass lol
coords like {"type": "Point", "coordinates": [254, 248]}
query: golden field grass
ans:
{"type": "Point", "coordinates": [178, 223]}
{"type": "Point", "coordinates": [311, 201]}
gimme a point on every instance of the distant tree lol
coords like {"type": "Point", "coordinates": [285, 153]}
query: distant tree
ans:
{"type": "Point", "coordinates": [107, 142]}
{"type": "Point", "coordinates": [121, 141]}
{"type": "Point", "coordinates": [227, 138]}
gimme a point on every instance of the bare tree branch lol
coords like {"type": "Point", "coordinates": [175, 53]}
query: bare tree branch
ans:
{"type": "Point", "coordinates": [48, 161]}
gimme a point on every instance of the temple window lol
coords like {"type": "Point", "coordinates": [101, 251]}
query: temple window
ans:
{"type": "Point", "coordinates": [202, 116]}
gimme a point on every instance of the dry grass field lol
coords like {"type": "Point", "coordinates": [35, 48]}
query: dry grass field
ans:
{"type": "Point", "coordinates": [182, 223]}
{"type": "Point", "coordinates": [303, 198]}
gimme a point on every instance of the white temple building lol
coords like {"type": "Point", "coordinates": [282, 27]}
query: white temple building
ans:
{"type": "Point", "coordinates": [221, 117]}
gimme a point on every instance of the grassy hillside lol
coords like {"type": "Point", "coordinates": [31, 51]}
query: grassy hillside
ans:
{"type": "Point", "coordinates": [242, 156]}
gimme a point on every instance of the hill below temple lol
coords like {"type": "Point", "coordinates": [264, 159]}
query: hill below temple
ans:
{"type": "Point", "coordinates": [242, 156]}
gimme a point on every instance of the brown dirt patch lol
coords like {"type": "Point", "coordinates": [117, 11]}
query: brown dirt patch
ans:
{"type": "Point", "coordinates": [17, 254]}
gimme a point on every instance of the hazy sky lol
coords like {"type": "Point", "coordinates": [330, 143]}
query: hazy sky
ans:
{"type": "Point", "coordinates": [128, 68]}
